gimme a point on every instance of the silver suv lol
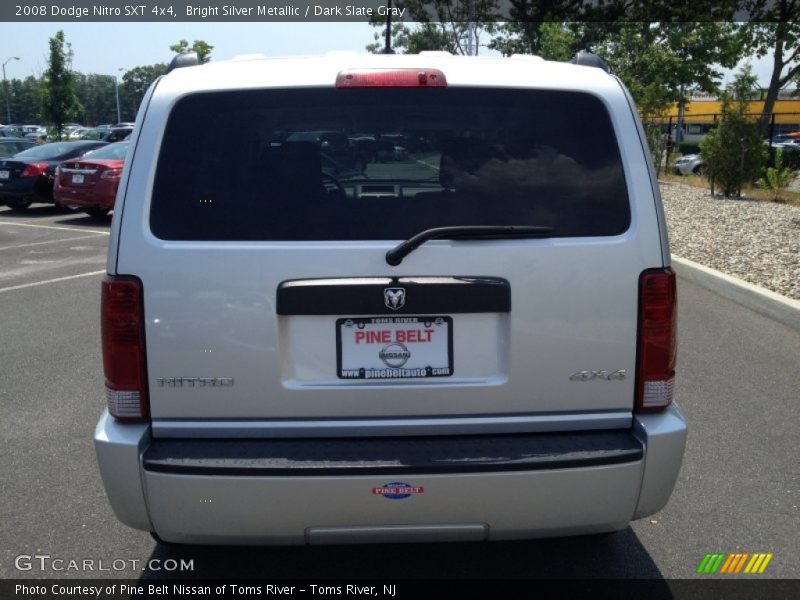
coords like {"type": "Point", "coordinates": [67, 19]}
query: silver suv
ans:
{"type": "Point", "coordinates": [476, 342]}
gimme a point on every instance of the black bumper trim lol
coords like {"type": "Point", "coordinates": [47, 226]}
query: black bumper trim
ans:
{"type": "Point", "coordinates": [390, 456]}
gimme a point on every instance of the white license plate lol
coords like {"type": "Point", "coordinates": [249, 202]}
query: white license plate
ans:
{"type": "Point", "coordinates": [5, 174]}
{"type": "Point", "coordinates": [77, 178]}
{"type": "Point", "coordinates": [394, 347]}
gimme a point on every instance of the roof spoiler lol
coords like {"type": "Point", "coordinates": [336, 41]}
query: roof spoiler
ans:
{"type": "Point", "coordinates": [589, 59]}
{"type": "Point", "coordinates": [185, 59]}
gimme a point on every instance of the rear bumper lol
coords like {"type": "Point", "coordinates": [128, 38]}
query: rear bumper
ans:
{"type": "Point", "coordinates": [101, 195]}
{"type": "Point", "coordinates": [287, 492]}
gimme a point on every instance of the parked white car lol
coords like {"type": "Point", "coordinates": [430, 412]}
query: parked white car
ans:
{"type": "Point", "coordinates": [689, 163]}
{"type": "Point", "coordinates": [475, 343]}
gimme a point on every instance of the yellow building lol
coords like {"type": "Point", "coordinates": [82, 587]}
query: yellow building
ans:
{"type": "Point", "coordinates": [703, 110]}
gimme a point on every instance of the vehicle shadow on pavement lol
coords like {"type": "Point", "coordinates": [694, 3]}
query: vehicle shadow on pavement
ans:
{"type": "Point", "coordinates": [79, 219]}
{"type": "Point", "coordinates": [37, 211]}
{"type": "Point", "coordinates": [68, 217]}
{"type": "Point", "coordinates": [619, 555]}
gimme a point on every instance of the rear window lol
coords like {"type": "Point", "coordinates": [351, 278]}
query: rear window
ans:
{"type": "Point", "coordinates": [116, 151]}
{"type": "Point", "coordinates": [369, 164]}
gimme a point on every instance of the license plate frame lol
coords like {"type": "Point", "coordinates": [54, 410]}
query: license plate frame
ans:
{"type": "Point", "coordinates": [392, 350]}
{"type": "Point", "coordinates": [77, 178]}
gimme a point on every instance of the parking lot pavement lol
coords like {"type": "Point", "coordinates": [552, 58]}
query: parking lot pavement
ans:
{"type": "Point", "coordinates": [737, 492]}
{"type": "Point", "coordinates": [45, 243]}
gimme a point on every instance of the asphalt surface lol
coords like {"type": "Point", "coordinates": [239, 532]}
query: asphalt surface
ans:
{"type": "Point", "coordinates": [739, 386]}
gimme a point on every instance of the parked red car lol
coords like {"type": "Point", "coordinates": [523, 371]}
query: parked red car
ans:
{"type": "Point", "coordinates": [90, 182]}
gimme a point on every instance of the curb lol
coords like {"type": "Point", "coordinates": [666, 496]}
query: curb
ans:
{"type": "Point", "coordinates": [755, 297]}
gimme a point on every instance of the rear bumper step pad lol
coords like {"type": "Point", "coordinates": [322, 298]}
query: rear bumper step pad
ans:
{"type": "Point", "coordinates": [386, 456]}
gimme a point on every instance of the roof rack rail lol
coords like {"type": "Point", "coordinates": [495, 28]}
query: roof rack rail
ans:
{"type": "Point", "coordinates": [589, 59]}
{"type": "Point", "coordinates": [185, 59]}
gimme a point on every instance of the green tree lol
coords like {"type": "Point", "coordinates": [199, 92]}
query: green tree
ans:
{"type": "Point", "coordinates": [96, 94]}
{"type": "Point", "coordinates": [24, 100]}
{"type": "Point", "coordinates": [659, 60]}
{"type": "Point", "coordinates": [456, 26]}
{"type": "Point", "coordinates": [59, 102]}
{"type": "Point", "coordinates": [775, 28]}
{"type": "Point", "coordinates": [202, 48]}
{"type": "Point", "coordinates": [134, 86]}
{"type": "Point", "coordinates": [733, 151]}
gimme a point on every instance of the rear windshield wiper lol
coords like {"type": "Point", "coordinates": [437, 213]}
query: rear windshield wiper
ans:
{"type": "Point", "coordinates": [396, 255]}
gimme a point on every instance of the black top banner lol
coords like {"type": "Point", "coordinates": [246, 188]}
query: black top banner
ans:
{"type": "Point", "coordinates": [407, 11]}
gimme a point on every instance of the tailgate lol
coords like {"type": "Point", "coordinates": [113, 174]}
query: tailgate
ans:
{"type": "Point", "coordinates": [268, 296]}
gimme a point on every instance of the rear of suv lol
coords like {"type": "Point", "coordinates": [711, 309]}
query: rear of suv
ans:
{"type": "Point", "coordinates": [476, 342]}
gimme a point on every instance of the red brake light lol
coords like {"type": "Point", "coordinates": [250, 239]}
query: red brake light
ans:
{"type": "Point", "coordinates": [124, 362]}
{"type": "Point", "coordinates": [34, 170]}
{"type": "Point", "coordinates": [657, 343]}
{"type": "Point", "coordinates": [111, 174]}
{"type": "Point", "coordinates": [371, 78]}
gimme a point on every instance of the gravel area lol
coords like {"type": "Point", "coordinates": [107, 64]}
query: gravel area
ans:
{"type": "Point", "coordinates": [755, 241]}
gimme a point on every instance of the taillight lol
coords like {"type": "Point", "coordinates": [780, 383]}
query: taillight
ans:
{"type": "Point", "coordinates": [34, 170]}
{"type": "Point", "coordinates": [111, 174]}
{"type": "Point", "coordinates": [657, 343]}
{"type": "Point", "coordinates": [372, 78]}
{"type": "Point", "coordinates": [124, 362]}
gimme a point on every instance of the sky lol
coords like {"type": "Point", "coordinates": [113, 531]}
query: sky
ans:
{"type": "Point", "coordinates": [107, 47]}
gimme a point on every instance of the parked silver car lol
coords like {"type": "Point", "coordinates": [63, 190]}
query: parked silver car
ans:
{"type": "Point", "coordinates": [689, 163]}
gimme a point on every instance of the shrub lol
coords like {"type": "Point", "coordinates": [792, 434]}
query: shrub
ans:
{"type": "Point", "coordinates": [733, 151]}
{"type": "Point", "coordinates": [777, 178]}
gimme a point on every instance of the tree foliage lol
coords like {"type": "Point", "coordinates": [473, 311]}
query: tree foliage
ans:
{"type": "Point", "coordinates": [733, 151]}
{"type": "Point", "coordinates": [441, 25]}
{"type": "Point", "coordinates": [134, 86]}
{"type": "Point", "coordinates": [96, 95]}
{"type": "Point", "coordinates": [775, 28]}
{"type": "Point", "coordinates": [24, 100]}
{"type": "Point", "coordinates": [201, 47]}
{"type": "Point", "coordinates": [59, 103]}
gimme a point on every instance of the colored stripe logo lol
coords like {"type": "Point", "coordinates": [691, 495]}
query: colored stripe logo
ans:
{"type": "Point", "coordinates": [734, 564]}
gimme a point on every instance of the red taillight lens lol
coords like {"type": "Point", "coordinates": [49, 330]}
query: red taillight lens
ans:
{"type": "Point", "coordinates": [34, 170]}
{"type": "Point", "coordinates": [111, 174]}
{"type": "Point", "coordinates": [657, 344]}
{"type": "Point", "coordinates": [124, 364]}
{"type": "Point", "coordinates": [372, 78]}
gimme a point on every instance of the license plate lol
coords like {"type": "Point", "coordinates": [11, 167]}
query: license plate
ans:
{"type": "Point", "coordinates": [5, 174]}
{"type": "Point", "coordinates": [394, 347]}
{"type": "Point", "coordinates": [77, 178]}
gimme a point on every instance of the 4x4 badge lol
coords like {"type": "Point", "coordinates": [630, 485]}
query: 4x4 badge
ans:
{"type": "Point", "coordinates": [394, 298]}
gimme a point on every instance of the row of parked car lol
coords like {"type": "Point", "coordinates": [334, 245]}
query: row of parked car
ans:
{"type": "Point", "coordinates": [75, 175]}
{"type": "Point", "coordinates": [694, 163]}
{"type": "Point", "coordinates": [39, 133]}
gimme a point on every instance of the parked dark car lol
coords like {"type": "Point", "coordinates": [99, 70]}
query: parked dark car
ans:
{"type": "Point", "coordinates": [9, 146]}
{"type": "Point", "coordinates": [12, 130]}
{"type": "Point", "coordinates": [28, 176]}
{"type": "Point", "coordinates": [96, 133]}
{"type": "Point", "coordinates": [116, 134]}
{"type": "Point", "coordinates": [90, 182]}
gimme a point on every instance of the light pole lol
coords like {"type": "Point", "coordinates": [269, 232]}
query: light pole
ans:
{"type": "Point", "coordinates": [116, 91]}
{"type": "Point", "coordinates": [5, 87]}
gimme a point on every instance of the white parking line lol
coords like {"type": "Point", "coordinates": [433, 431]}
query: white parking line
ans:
{"type": "Point", "coordinates": [427, 164]}
{"type": "Point", "coordinates": [13, 224]}
{"type": "Point", "coordinates": [80, 237]}
{"type": "Point", "coordinates": [46, 281]}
